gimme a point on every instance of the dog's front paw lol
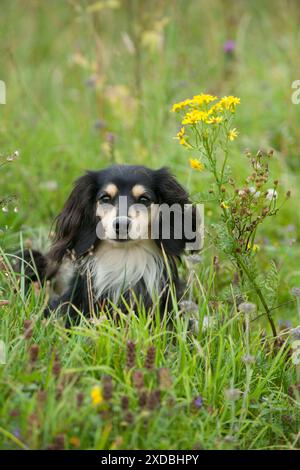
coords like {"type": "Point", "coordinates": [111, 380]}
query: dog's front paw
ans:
{"type": "Point", "coordinates": [51, 307]}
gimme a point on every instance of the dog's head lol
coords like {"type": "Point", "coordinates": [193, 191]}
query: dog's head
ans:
{"type": "Point", "coordinates": [123, 205]}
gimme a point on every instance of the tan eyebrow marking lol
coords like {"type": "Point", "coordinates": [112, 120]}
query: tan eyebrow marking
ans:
{"type": "Point", "coordinates": [138, 190]}
{"type": "Point", "coordinates": [111, 189]}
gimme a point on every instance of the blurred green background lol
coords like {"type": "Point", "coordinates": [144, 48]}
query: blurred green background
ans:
{"type": "Point", "coordinates": [92, 82]}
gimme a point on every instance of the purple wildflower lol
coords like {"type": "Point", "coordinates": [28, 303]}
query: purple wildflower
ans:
{"type": "Point", "coordinates": [229, 47]}
{"type": "Point", "coordinates": [198, 402]}
{"type": "Point", "coordinates": [17, 433]}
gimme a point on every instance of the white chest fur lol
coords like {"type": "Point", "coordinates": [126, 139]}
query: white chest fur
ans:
{"type": "Point", "coordinates": [115, 268]}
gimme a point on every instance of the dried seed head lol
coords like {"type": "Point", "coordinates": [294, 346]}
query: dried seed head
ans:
{"type": "Point", "coordinates": [107, 387]}
{"type": "Point", "coordinates": [143, 397]}
{"type": "Point", "coordinates": [42, 396]}
{"type": "Point", "coordinates": [129, 418]}
{"type": "Point", "coordinates": [164, 378]}
{"type": "Point", "coordinates": [150, 357]}
{"type": "Point", "coordinates": [59, 391]}
{"type": "Point", "coordinates": [153, 399]}
{"type": "Point", "coordinates": [294, 391]}
{"type": "Point", "coordinates": [287, 419]}
{"type": "Point", "coordinates": [232, 394]}
{"type": "Point", "coordinates": [33, 422]}
{"type": "Point", "coordinates": [56, 368]}
{"type": "Point", "coordinates": [271, 194]}
{"type": "Point", "coordinates": [130, 355]}
{"type": "Point", "coordinates": [79, 399]}
{"type": "Point", "coordinates": [188, 306]}
{"type": "Point", "coordinates": [248, 359]}
{"type": "Point", "coordinates": [27, 332]}
{"type": "Point", "coordinates": [296, 333]}
{"type": "Point", "coordinates": [33, 352]}
{"type": "Point", "coordinates": [247, 307]}
{"type": "Point", "coordinates": [13, 156]}
{"type": "Point", "coordinates": [59, 442]}
{"type": "Point", "coordinates": [265, 211]}
{"type": "Point", "coordinates": [124, 402]}
{"type": "Point", "coordinates": [15, 413]}
{"type": "Point", "coordinates": [27, 324]}
{"type": "Point", "coordinates": [138, 379]}
{"type": "Point", "coordinates": [295, 291]}
{"type": "Point", "coordinates": [171, 402]}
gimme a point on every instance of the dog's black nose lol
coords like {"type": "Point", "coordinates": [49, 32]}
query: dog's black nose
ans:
{"type": "Point", "coordinates": [121, 226]}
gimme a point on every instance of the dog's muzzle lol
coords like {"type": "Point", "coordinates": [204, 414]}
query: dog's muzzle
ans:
{"type": "Point", "coordinates": [121, 226]}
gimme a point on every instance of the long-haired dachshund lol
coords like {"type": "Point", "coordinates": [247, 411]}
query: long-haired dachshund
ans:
{"type": "Point", "coordinates": [117, 241]}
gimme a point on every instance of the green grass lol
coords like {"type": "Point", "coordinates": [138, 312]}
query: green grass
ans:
{"type": "Point", "coordinates": [50, 118]}
{"type": "Point", "coordinates": [38, 405]}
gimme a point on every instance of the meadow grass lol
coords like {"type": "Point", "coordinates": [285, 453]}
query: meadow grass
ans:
{"type": "Point", "coordinates": [87, 88]}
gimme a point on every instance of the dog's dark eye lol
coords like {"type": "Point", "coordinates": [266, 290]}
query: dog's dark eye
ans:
{"type": "Point", "coordinates": [144, 200]}
{"type": "Point", "coordinates": [105, 198]}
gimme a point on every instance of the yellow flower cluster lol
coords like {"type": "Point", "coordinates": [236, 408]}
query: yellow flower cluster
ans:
{"type": "Point", "coordinates": [214, 120]}
{"type": "Point", "coordinates": [182, 105]}
{"type": "Point", "coordinates": [197, 108]}
{"type": "Point", "coordinates": [203, 99]}
{"type": "Point", "coordinates": [229, 102]}
{"type": "Point", "coordinates": [195, 116]}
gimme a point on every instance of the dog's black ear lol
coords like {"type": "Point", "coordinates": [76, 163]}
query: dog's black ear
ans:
{"type": "Point", "coordinates": [168, 188]}
{"type": "Point", "coordinates": [75, 226]}
{"type": "Point", "coordinates": [171, 193]}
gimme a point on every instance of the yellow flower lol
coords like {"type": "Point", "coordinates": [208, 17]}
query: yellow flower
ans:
{"type": "Point", "coordinates": [225, 103]}
{"type": "Point", "coordinates": [214, 120]}
{"type": "Point", "coordinates": [229, 103]}
{"type": "Point", "coordinates": [255, 247]}
{"type": "Point", "coordinates": [224, 205]}
{"type": "Point", "coordinates": [195, 116]}
{"type": "Point", "coordinates": [232, 134]}
{"type": "Point", "coordinates": [185, 143]}
{"type": "Point", "coordinates": [203, 99]}
{"type": "Point", "coordinates": [96, 395]}
{"type": "Point", "coordinates": [117, 443]}
{"type": "Point", "coordinates": [181, 105]}
{"type": "Point", "coordinates": [196, 164]}
{"type": "Point", "coordinates": [75, 441]}
{"type": "Point", "coordinates": [181, 136]}
{"type": "Point", "coordinates": [181, 133]}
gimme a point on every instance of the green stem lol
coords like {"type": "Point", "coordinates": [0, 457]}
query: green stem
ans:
{"type": "Point", "coordinates": [224, 165]}
{"type": "Point", "coordinates": [241, 263]}
{"type": "Point", "coordinates": [242, 266]}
